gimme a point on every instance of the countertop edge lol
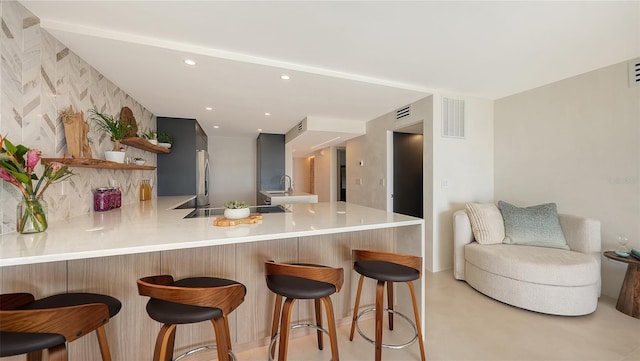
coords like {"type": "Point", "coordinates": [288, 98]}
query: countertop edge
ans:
{"type": "Point", "coordinates": [116, 237]}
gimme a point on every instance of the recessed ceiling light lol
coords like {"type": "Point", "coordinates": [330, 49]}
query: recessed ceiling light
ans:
{"type": "Point", "coordinates": [260, 129]}
{"type": "Point", "coordinates": [189, 62]}
{"type": "Point", "coordinates": [267, 114]}
{"type": "Point", "coordinates": [285, 77]}
{"type": "Point", "coordinates": [208, 108]}
{"type": "Point", "coordinates": [216, 126]}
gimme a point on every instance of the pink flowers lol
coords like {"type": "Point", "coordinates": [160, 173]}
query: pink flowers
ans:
{"type": "Point", "coordinates": [8, 177]}
{"type": "Point", "coordinates": [18, 164]}
{"type": "Point", "coordinates": [33, 157]}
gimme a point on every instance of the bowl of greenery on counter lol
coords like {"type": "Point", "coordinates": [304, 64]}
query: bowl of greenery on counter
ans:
{"type": "Point", "coordinates": [236, 210]}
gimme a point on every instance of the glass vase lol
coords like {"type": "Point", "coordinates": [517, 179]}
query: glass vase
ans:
{"type": "Point", "coordinates": [31, 215]}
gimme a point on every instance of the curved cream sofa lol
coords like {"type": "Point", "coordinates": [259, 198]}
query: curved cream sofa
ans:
{"type": "Point", "coordinates": [547, 280]}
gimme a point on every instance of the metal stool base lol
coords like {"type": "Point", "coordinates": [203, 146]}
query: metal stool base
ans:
{"type": "Point", "coordinates": [200, 349]}
{"type": "Point", "coordinates": [293, 327]}
{"type": "Point", "coordinates": [391, 346]}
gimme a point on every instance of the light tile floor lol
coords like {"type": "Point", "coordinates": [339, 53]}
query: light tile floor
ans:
{"type": "Point", "coordinates": [463, 324]}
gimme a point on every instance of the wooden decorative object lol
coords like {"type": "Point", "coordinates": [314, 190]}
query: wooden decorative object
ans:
{"type": "Point", "coordinates": [225, 222]}
{"type": "Point", "coordinates": [75, 132]}
{"type": "Point", "coordinates": [126, 116]}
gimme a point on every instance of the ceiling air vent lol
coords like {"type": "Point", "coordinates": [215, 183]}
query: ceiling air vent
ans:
{"type": "Point", "coordinates": [634, 72]}
{"type": "Point", "coordinates": [452, 118]}
{"type": "Point", "coordinates": [403, 112]}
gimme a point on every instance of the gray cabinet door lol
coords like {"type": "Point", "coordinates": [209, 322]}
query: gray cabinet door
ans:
{"type": "Point", "coordinates": [270, 161]}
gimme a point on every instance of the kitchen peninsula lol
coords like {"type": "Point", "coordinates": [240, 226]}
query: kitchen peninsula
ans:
{"type": "Point", "coordinates": [107, 252]}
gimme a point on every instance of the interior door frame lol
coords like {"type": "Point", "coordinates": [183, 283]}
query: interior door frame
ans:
{"type": "Point", "coordinates": [390, 163]}
{"type": "Point", "coordinates": [390, 170]}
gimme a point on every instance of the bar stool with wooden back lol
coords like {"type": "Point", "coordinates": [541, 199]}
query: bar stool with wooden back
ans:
{"type": "Point", "coordinates": [29, 326]}
{"type": "Point", "coordinates": [387, 268]}
{"type": "Point", "coordinates": [191, 300]}
{"type": "Point", "coordinates": [302, 281]}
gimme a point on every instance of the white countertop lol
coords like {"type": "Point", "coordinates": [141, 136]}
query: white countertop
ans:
{"type": "Point", "coordinates": [282, 197]}
{"type": "Point", "coordinates": [155, 226]}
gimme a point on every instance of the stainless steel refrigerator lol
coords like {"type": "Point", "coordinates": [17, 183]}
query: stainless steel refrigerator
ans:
{"type": "Point", "coordinates": [202, 176]}
{"type": "Point", "coordinates": [185, 170]}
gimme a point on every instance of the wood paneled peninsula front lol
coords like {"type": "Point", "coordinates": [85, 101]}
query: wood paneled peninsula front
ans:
{"type": "Point", "coordinates": [107, 252]}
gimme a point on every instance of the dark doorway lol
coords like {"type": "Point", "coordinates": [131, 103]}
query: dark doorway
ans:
{"type": "Point", "coordinates": [342, 175]}
{"type": "Point", "coordinates": [407, 174]}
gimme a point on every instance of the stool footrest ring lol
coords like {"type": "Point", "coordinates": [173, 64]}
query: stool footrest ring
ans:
{"type": "Point", "coordinates": [293, 327]}
{"type": "Point", "coordinates": [200, 349]}
{"type": "Point", "coordinates": [385, 345]}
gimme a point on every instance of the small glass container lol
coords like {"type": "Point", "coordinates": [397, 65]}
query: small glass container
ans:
{"type": "Point", "coordinates": [116, 193]}
{"type": "Point", "coordinates": [112, 198]}
{"type": "Point", "coordinates": [118, 197]}
{"type": "Point", "coordinates": [144, 193]}
{"type": "Point", "coordinates": [101, 200]}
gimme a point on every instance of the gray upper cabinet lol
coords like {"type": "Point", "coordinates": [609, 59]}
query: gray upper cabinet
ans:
{"type": "Point", "coordinates": [178, 171]}
{"type": "Point", "coordinates": [270, 161]}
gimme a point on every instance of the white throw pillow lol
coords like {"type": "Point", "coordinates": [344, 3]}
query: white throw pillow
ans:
{"type": "Point", "coordinates": [486, 223]}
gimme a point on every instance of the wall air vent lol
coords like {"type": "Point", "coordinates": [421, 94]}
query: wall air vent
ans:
{"type": "Point", "coordinates": [300, 127]}
{"type": "Point", "coordinates": [634, 72]}
{"type": "Point", "coordinates": [452, 118]}
{"type": "Point", "coordinates": [403, 112]}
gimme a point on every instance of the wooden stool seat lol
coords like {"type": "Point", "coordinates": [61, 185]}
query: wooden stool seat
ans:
{"type": "Point", "coordinates": [387, 268]}
{"type": "Point", "coordinates": [302, 281]}
{"type": "Point", "coordinates": [180, 313]}
{"type": "Point", "coordinates": [191, 300]}
{"type": "Point", "coordinates": [29, 326]}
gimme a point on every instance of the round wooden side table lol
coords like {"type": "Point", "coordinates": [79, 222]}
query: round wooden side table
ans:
{"type": "Point", "coordinates": [629, 298]}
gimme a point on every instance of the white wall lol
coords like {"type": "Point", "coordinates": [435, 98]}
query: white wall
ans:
{"type": "Point", "coordinates": [575, 142]}
{"type": "Point", "coordinates": [233, 169]}
{"type": "Point", "coordinates": [462, 171]}
{"type": "Point", "coordinates": [466, 164]}
{"type": "Point", "coordinates": [302, 174]}
{"type": "Point", "coordinates": [325, 174]}
{"type": "Point", "coordinates": [363, 182]}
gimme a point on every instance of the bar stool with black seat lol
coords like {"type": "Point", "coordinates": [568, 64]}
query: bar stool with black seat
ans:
{"type": "Point", "coordinates": [29, 326]}
{"type": "Point", "coordinates": [387, 268]}
{"type": "Point", "coordinates": [302, 281]}
{"type": "Point", "coordinates": [191, 300]}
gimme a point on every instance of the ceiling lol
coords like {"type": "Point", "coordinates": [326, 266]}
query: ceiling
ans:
{"type": "Point", "coordinates": [352, 61]}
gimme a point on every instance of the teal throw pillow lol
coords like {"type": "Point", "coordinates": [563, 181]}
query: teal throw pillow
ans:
{"type": "Point", "coordinates": [532, 226]}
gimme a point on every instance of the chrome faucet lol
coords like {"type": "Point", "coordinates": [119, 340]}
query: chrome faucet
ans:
{"type": "Point", "coordinates": [283, 181]}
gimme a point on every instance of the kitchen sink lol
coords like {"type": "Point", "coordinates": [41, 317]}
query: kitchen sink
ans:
{"type": "Point", "coordinates": [210, 212]}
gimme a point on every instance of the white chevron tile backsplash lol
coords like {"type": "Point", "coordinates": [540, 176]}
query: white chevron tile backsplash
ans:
{"type": "Point", "coordinates": [39, 77]}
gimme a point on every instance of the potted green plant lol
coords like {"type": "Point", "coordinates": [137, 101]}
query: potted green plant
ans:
{"type": "Point", "coordinates": [139, 161]}
{"type": "Point", "coordinates": [150, 135]}
{"type": "Point", "coordinates": [236, 210]}
{"type": "Point", "coordinates": [116, 128]}
{"type": "Point", "coordinates": [164, 139]}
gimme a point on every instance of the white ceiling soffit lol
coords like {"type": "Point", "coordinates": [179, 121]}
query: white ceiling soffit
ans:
{"type": "Point", "coordinates": [314, 133]}
{"type": "Point", "coordinates": [352, 60]}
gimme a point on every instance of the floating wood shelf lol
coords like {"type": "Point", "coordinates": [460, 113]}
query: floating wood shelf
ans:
{"type": "Point", "coordinates": [144, 144]}
{"type": "Point", "coordinates": [96, 163]}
